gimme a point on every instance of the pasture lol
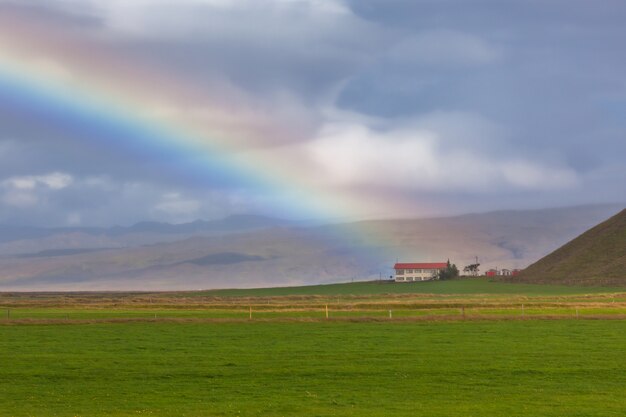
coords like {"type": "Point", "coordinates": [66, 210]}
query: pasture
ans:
{"type": "Point", "coordinates": [479, 285]}
{"type": "Point", "coordinates": [475, 298]}
{"type": "Point", "coordinates": [514, 368]}
{"type": "Point", "coordinates": [441, 353]}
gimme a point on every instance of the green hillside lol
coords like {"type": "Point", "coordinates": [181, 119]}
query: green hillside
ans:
{"type": "Point", "coordinates": [469, 286]}
{"type": "Point", "coordinates": [597, 257]}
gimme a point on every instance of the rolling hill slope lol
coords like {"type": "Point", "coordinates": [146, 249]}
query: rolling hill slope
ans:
{"type": "Point", "coordinates": [597, 257]}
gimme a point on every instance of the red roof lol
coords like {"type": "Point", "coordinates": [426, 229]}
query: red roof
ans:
{"type": "Point", "coordinates": [432, 265]}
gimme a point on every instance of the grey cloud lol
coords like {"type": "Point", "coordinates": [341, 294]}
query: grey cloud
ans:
{"type": "Point", "coordinates": [555, 62]}
{"type": "Point", "coordinates": [298, 47]}
{"type": "Point", "coordinates": [504, 18]}
{"type": "Point", "coordinates": [542, 81]}
{"type": "Point", "coordinates": [443, 48]}
{"type": "Point", "coordinates": [103, 201]}
{"type": "Point", "coordinates": [50, 11]}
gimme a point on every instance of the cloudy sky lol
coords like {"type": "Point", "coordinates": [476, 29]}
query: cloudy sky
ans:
{"type": "Point", "coordinates": [117, 111]}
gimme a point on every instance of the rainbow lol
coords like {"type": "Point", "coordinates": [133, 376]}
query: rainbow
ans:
{"type": "Point", "coordinates": [102, 99]}
{"type": "Point", "coordinates": [186, 153]}
{"type": "Point", "coordinates": [112, 101]}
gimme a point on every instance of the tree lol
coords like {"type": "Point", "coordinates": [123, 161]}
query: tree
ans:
{"type": "Point", "coordinates": [472, 269]}
{"type": "Point", "coordinates": [450, 271]}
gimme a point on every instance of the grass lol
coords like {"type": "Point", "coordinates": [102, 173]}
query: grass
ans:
{"type": "Point", "coordinates": [513, 368]}
{"type": "Point", "coordinates": [197, 354]}
{"type": "Point", "coordinates": [357, 300]}
{"type": "Point", "coordinates": [458, 286]}
{"type": "Point", "coordinates": [607, 310]}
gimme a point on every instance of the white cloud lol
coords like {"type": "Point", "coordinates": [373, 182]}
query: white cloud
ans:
{"type": "Point", "coordinates": [351, 155]}
{"type": "Point", "coordinates": [53, 181]}
{"type": "Point", "coordinates": [189, 18]}
{"type": "Point", "coordinates": [74, 219]}
{"type": "Point", "coordinates": [26, 191]}
{"type": "Point", "coordinates": [20, 183]}
{"type": "Point", "coordinates": [21, 199]}
{"type": "Point", "coordinates": [56, 181]}
{"type": "Point", "coordinates": [524, 174]}
{"type": "Point", "coordinates": [176, 208]}
{"type": "Point", "coordinates": [354, 154]}
{"type": "Point", "coordinates": [324, 6]}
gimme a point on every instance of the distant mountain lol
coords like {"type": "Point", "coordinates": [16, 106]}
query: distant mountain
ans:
{"type": "Point", "coordinates": [235, 223]}
{"type": "Point", "coordinates": [58, 252]}
{"type": "Point", "coordinates": [257, 251]}
{"type": "Point", "coordinates": [265, 257]}
{"type": "Point", "coordinates": [597, 257]}
{"type": "Point", "coordinates": [225, 258]}
{"type": "Point", "coordinates": [25, 240]}
{"type": "Point", "coordinates": [10, 233]}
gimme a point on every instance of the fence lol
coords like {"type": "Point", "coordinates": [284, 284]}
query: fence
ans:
{"type": "Point", "coordinates": [322, 312]}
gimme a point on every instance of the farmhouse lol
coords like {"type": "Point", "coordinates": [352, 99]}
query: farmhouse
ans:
{"type": "Point", "coordinates": [410, 272]}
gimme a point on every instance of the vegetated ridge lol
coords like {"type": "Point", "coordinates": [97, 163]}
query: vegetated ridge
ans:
{"type": "Point", "coordinates": [597, 257]}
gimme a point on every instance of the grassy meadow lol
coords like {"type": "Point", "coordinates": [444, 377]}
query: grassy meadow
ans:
{"type": "Point", "coordinates": [514, 368]}
{"type": "Point", "coordinates": [458, 348]}
{"type": "Point", "coordinates": [481, 285]}
{"type": "Point", "coordinates": [463, 298]}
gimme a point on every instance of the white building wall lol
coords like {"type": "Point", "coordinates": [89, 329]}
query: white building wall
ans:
{"type": "Point", "coordinates": [412, 275]}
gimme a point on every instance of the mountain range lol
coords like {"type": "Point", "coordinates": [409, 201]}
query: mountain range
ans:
{"type": "Point", "coordinates": [252, 251]}
{"type": "Point", "coordinates": [235, 223]}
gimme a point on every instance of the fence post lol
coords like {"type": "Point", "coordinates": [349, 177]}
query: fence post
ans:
{"type": "Point", "coordinates": [326, 310]}
{"type": "Point", "coordinates": [389, 313]}
{"type": "Point", "coordinates": [250, 313]}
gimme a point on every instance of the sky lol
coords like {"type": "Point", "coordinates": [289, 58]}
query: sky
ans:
{"type": "Point", "coordinates": [113, 112]}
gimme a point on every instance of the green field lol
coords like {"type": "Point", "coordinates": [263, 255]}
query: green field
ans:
{"type": "Point", "coordinates": [336, 312]}
{"type": "Point", "coordinates": [454, 348]}
{"type": "Point", "coordinates": [495, 368]}
{"type": "Point", "coordinates": [457, 299]}
{"type": "Point", "coordinates": [463, 298]}
{"type": "Point", "coordinates": [458, 286]}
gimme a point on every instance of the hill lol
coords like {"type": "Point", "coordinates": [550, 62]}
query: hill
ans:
{"type": "Point", "coordinates": [500, 239]}
{"type": "Point", "coordinates": [265, 252]}
{"type": "Point", "coordinates": [462, 286]}
{"type": "Point", "coordinates": [598, 256]}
